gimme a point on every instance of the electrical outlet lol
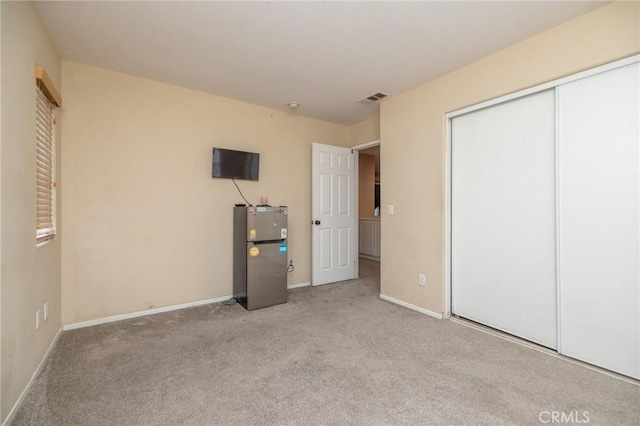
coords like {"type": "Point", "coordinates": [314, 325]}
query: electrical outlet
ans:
{"type": "Point", "coordinates": [38, 320]}
{"type": "Point", "coordinates": [422, 279]}
{"type": "Point", "coordinates": [390, 209]}
{"type": "Point", "coordinates": [45, 311]}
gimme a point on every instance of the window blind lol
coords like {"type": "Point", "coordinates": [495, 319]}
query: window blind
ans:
{"type": "Point", "coordinates": [45, 150]}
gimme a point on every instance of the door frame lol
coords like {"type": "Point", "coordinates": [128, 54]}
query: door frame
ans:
{"type": "Point", "coordinates": [356, 226]}
{"type": "Point", "coordinates": [449, 116]}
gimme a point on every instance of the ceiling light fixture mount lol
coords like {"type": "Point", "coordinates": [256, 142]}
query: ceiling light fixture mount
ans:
{"type": "Point", "coordinates": [293, 105]}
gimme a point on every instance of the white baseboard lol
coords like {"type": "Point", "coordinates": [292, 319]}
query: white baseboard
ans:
{"type": "Point", "coordinates": [306, 284]}
{"type": "Point", "coordinates": [114, 318]}
{"type": "Point", "coordinates": [24, 393]}
{"type": "Point", "coordinates": [143, 313]}
{"type": "Point", "coordinates": [410, 306]}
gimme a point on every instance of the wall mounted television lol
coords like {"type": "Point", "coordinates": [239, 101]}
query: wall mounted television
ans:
{"type": "Point", "coordinates": [232, 164]}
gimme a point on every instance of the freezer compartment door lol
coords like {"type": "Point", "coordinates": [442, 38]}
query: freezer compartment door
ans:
{"type": "Point", "coordinates": [266, 223]}
{"type": "Point", "coordinates": [266, 274]}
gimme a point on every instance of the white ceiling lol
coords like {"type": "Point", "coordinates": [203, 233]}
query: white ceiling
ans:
{"type": "Point", "coordinates": [324, 55]}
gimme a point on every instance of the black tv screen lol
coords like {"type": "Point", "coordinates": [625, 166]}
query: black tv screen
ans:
{"type": "Point", "coordinates": [232, 164]}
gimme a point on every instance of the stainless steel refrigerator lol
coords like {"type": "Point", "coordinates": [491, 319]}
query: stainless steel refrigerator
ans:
{"type": "Point", "coordinates": [260, 254]}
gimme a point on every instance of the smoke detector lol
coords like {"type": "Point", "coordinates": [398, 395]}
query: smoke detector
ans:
{"type": "Point", "coordinates": [373, 98]}
{"type": "Point", "coordinates": [293, 105]}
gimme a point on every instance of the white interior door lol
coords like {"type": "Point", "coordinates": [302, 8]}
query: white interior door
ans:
{"type": "Point", "coordinates": [503, 217]}
{"type": "Point", "coordinates": [333, 215]}
{"type": "Point", "coordinates": [599, 219]}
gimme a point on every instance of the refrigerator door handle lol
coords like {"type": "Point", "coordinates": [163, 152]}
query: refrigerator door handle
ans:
{"type": "Point", "coordinates": [260, 242]}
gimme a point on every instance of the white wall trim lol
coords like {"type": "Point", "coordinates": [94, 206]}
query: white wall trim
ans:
{"type": "Point", "coordinates": [27, 388]}
{"type": "Point", "coordinates": [410, 306]}
{"type": "Point", "coordinates": [545, 86]}
{"type": "Point", "coordinates": [356, 201]}
{"type": "Point", "coordinates": [366, 145]}
{"type": "Point", "coordinates": [447, 219]}
{"type": "Point", "coordinates": [304, 284]}
{"type": "Point", "coordinates": [154, 311]}
{"type": "Point", "coordinates": [143, 313]}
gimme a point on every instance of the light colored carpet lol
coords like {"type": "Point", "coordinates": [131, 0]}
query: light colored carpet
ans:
{"type": "Point", "coordinates": [335, 354]}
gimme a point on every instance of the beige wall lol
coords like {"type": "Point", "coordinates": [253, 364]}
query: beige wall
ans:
{"type": "Point", "coordinates": [375, 152]}
{"type": "Point", "coordinates": [365, 131]}
{"type": "Point", "coordinates": [413, 137]}
{"type": "Point", "coordinates": [30, 276]}
{"type": "Point", "coordinates": [366, 185]}
{"type": "Point", "coordinates": [145, 224]}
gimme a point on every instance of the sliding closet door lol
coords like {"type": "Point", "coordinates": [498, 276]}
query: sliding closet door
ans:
{"type": "Point", "coordinates": [503, 217]}
{"type": "Point", "coordinates": [599, 220]}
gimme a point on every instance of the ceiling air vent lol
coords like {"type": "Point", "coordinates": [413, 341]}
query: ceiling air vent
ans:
{"type": "Point", "coordinates": [373, 98]}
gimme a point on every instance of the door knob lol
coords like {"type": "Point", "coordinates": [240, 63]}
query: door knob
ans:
{"type": "Point", "coordinates": [317, 222]}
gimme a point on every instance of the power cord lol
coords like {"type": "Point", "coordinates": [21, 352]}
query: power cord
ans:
{"type": "Point", "coordinates": [291, 268]}
{"type": "Point", "coordinates": [229, 302]}
{"type": "Point", "coordinates": [245, 200]}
